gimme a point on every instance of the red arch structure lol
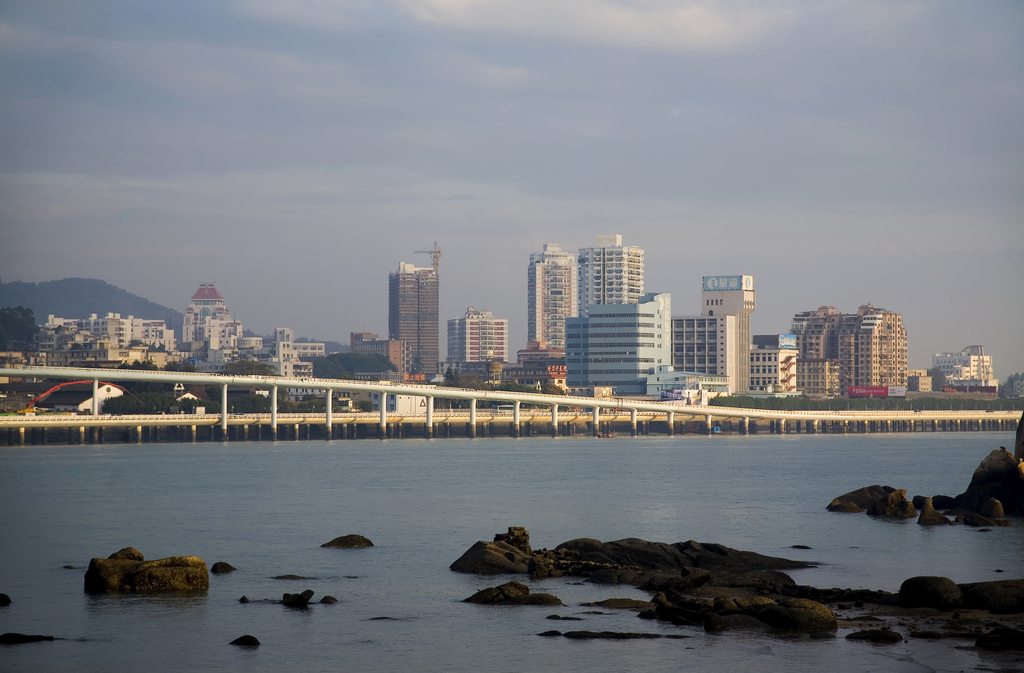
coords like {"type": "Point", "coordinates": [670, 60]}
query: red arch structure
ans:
{"type": "Point", "coordinates": [39, 398]}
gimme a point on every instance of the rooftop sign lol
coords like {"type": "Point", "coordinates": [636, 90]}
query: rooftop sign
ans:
{"type": "Point", "coordinates": [713, 283]}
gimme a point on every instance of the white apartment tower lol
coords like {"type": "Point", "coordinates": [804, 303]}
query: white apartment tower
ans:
{"type": "Point", "coordinates": [552, 287]}
{"type": "Point", "coordinates": [477, 337]}
{"type": "Point", "coordinates": [609, 273]}
{"type": "Point", "coordinates": [733, 295]}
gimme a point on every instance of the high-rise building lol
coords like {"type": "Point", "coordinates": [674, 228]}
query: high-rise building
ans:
{"type": "Point", "coordinates": [609, 273]}
{"type": "Point", "coordinates": [551, 285]}
{"type": "Point", "coordinates": [707, 345]}
{"type": "Point", "coordinates": [413, 314]}
{"type": "Point", "coordinates": [818, 377]}
{"type": "Point", "coordinates": [773, 364]}
{"type": "Point", "coordinates": [477, 337]}
{"type": "Point", "coordinates": [619, 345]}
{"type": "Point", "coordinates": [733, 295]}
{"type": "Point", "coordinates": [870, 345]}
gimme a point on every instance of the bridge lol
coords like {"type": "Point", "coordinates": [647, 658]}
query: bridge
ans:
{"type": "Point", "coordinates": [560, 413]}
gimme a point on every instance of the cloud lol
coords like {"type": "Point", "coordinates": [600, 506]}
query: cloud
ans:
{"type": "Point", "coordinates": [648, 25]}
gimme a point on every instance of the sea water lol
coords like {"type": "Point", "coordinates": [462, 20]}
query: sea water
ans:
{"type": "Point", "coordinates": [266, 507]}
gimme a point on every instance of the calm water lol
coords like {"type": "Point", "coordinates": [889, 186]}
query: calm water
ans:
{"type": "Point", "coordinates": [266, 508]}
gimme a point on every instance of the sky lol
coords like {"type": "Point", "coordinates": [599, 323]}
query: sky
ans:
{"type": "Point", "coordinates": [294, 152]}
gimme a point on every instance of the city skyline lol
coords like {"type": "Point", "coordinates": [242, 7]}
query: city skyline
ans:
{"type": "Point", "coordinates": [841, 153]}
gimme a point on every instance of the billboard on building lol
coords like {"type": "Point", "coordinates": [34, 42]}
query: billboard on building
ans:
{"type": "Point", "coordinates": [712, 283]}
{"type": "Point", "coordinates": [787, 341]}
{"type": "Point", "coordinates": [877, 391]}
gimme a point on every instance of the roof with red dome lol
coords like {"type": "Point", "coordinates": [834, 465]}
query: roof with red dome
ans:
{"type": "Point", "coordinates": [208, 292]}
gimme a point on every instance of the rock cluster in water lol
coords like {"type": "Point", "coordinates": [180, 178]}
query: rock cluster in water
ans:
{"type": "Point", "coordinates": [996, 489]}
{"type": "Point", "coordinates": [127, 570]}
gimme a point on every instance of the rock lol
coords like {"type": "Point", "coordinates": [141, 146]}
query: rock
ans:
{"type": "Point", "coordinates": [1018, 444]}
{"type": "Point", "coordinates": [929, 517]}
{"type": "Point", "coordinates": [289, 577]}
{"type": "Point", "coordinates": [348, 541]}
{"type": "Point", "coordinates": [972, 519]}
{"type": "Point", "coordinates": [790, 614]}
{"type": "Point", "coordinates": [940, 593]}
{"type": "Point", "coordinates": [862, 497]}
{"type": "Point", "coordinates": [167, 574]}
{"type": "Point", "coordinates": [127, 554]}
{"type": "Point", "coordinates": [1002, 639]}
{"type": "Point", "coordinates": [688, 578]}
{"type": "Point", "coordinates": [879, 636]}
{"type": "Point", "coordinates": [243, 599]}
{"type": "Point", "coordinates": [245, 641]}
{"type": "Point", "coordinates": [715, 623]}
{"type": "Point", "coordinates": [621, 604]}
{"type": "Point", "coordinates": [895, 505]}
{"type": "Point", "coordinates": [511, 593]}
{"type": "Point", "coordinates": [999, 597]}
{"type": "Point", "coordinates": [328, 600]}
{"type": "Point", "coordinates": [942, 501]}
{"type": "Point", "coordinates": [999, 476]}
{"type": "Point", "coordinates": [564, 619]}
{"type": "Point", "coordinates": [4, 600]}
{"type": "Point", "coordinates": [221, 567]}
{"type": "Point", "coordinates": [992, 508]}
{"type": "Point", "coordinates": [760, 579]}
{"type": "Point", "coordinates": [550, 634]}
{"type": "Point", "coordinates": [21, 639]}
{"type": "Point", "coordinates": [608, 635]}
{"type": "Point", "coordinates": [69, 567]}
{"type": "Point", "coordinates": [297, 600]}
{"type": "Point", "coordinates": [518, 537]}
{"type": "Point", "coordinates": [492, 558]}
{"type": "Point", "coordinates": [844, 507]}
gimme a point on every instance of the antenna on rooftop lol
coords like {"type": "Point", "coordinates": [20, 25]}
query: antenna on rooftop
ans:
{"type": "Point", "coordinates": [435, 252]}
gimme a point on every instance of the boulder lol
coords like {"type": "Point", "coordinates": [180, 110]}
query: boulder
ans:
{"type": "Point", "coordinates": [715, 623]}
{"type": "Point", "coordinates": [940, 593]}
{"type": "Point", "coordinates": [328, 600]}
{"type": "Point", "coordinates": [222, 567]}
{"type": "Point", "coordinates": [894, 505]}
{"type": "Point", "coordinates": [492, 558]}
{"type": "Point", "coordinates": [21, 638]}
{"type": "Point", "coordinates": [518, 537]}
{"type": "Point", "coordinates": [942, 502]}
{"type": "Point", "coordinates": [511, 593]}
{"type": "Point", "coordinates": [173, 573]}
{"type": "Point", "coordinates": [998, 476]}
{"type": "Point", "coordinates": [844, 507]}
{"type": "Point", "coordinates": [621, 604]}
{"type": "Point", "coordinates": [791, 614]}
{"type": "Point", "coordinates": [972, 519]}
{"type": "Point", "coordinates": [992, 508]}
{"type": "Point", "coordinates": [297, 600]}
{"type": "Point", "coordinates": [1001, 639]}
{"type": "Point", "coordinates": [128, 554]}
{"type": "Point", "coordinates": [4, 600]}
{"type": "Point", "coordinates": [929, 517]}
{"type": "Point", "coordinates": [999, 597]}
{"type": "Point", "coordinates": [862, 497]}
{"type": "Point", "coordinates": [1018, 444]}
{"type": "Point", "coordinates": [348, 541]}
{"type": "Point", "coordinates": [878, 636]}
{"type": "Point", "coordinates": [246, 641]}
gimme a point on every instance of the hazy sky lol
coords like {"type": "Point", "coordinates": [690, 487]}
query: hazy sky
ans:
{"type": "Point", "coordinates": [295, 151]}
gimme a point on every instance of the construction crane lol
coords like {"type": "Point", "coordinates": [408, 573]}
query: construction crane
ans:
{"type": "Point", "coordinates": [434, 252]}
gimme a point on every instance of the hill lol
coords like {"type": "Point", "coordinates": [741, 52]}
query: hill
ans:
{"type": "Point", "coordinates": [78, 297]}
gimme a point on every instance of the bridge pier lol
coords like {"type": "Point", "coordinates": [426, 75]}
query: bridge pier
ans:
{"type": "Point", "coordinates": [382, 428]}
{"type": "Point", "coordinates": [670, 421]}
{"type": "Point", "coordinates": [472, 419]}
{"type": "Point", "coordinates": [707, 424]}
{"type": "Point", "coordinates": [514, 430]}
{"type": "Point", "coordinates": [273, 413]}
{"type": "Point", "coordinates": [328, 414]}
{"type": "Point", "coordinates": [554, 420]}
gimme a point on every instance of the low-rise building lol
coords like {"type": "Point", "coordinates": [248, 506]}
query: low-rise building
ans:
{"type": "Point", "coordinates": [395, 350]}
{"type": "Point", "coordinates": [919, 381]}
{"type": "Point", "coordinates": [818, 377]}
{"type": "Point", "coordinates": [667, 383]}
{"type": "Point", "coordinates": [773, 364]}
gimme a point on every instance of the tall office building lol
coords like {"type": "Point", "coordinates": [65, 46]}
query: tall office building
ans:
{"type": "Point", "coordinates": [609, 273]}
{"type": "Point", "coordinates": [477, 337]}
{"type": "Point", "coordinates": [707, 345]}
{"type": "Point", "coordinates": [619, 346]}
{"type": "Point", "coordinates": [413, 315]}
{"type": "Point", "coordinates": [870, 345]}
{"type": "Point", "coordinates": [733, 295]}
{"type": "Point", "coordinates": [551, 285]}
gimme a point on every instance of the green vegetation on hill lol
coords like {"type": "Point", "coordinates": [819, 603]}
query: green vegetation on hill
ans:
{"type": "Point", "coordinates": [78, 297]}
{"type": "Point", "coordinates": [345, 365]}
{"type": "Point", "coordinates": [17, 325]}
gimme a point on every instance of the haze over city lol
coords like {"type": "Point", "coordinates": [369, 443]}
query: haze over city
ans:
{"type": "Point", "coordinates": [295, 153]}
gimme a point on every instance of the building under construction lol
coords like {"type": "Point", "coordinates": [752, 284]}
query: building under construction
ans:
{"type": "Point", "coordinates": [413, 315]}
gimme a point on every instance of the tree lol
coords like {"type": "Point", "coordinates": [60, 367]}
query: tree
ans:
{"type": "Point", "coordinates": [452, 378]}
{"type": "Point", "coordinates": [345, 365]}
{"type": "Point", "coordinates": [251, 404]}
{"type": "Point", "coordinates": [248, 368]}
{"type": "Point", "coordinates": [938, 379]}
{"type": "Point", "coordinates": [17, 325]}
{"type": "Point", "coordinates": [364, 405]}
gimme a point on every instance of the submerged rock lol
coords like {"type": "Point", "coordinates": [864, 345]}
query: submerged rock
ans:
{"type": "Point", "coordinates": [1002, 639]}
{"type": "Point", "coordinates": [940, 593]}
{"type": "Point", "coordinates": [173, 573]}
{"type": "Point", "coordinates": [297, 600]}
{"type": "Point", "coordinates": [21, 638]}
{"type": "Point", "coordinates": [222, 567]}
{"type": "Point", "coordinates": [621, 604]}
{"type": "Point", "coordinates": [511, 593]}
{"type": "Point", "coordinates": [245, 641]}
{"type": "Point", "coordinates": [998, 597]}
{"type": "Point", "coordinates": [348, 542]}
{"type": "Point", "coordinates": [879, 636]}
